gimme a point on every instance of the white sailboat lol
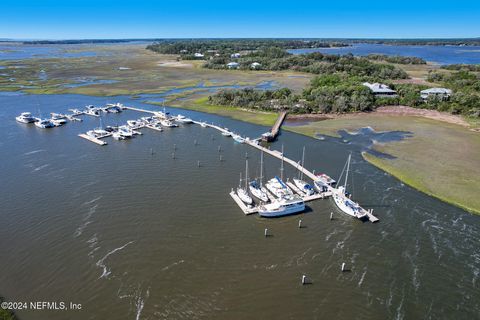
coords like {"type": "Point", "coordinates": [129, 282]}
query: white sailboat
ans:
{"type": "Point", "coordinates": [256, 188]}
{"type": "Point", "coordinates": [300, 183]}
{"type": "Point", "coordinates": [243, 192]}
{"type": "Point", "coordinates": [277, 186]}
{"type": "Point", "coordinates": [343, 202]}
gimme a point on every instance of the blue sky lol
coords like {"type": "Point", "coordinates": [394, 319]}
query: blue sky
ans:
{"type": "Point", "coordinates": [73, 19]}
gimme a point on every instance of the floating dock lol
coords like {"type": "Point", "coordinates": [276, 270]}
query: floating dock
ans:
{"type": "Point", "coordinates": [273, 133]}
{"type": "Point", "coordinates": [93, 139]}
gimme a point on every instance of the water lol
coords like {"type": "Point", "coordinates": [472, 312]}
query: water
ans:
{"type": "Point", "coordinates": [131, 235]}
{"type": "Point", "coordinates": [437, 54]}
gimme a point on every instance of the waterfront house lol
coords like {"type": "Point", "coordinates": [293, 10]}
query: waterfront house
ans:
{"type": "Point", "coordinates": [440, 93]}
{"type": "Point", "coordinates": [381, 90]}
{"type": "Point", "coordinates": [235, 55]}
{"type": "Point", "coordinates": [233, 65]}
{"type": "Point", "coordinates": [198, 55]}
{"type": "Point", "coordinates": [183, 51]}
{"type": "Point", "coordinates": [255, 65]}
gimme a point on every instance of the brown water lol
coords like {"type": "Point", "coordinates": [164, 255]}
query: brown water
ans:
{"type": "Point", "coordinates": [131, 235]}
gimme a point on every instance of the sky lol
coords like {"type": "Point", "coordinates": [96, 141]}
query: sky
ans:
{"type": "Point", "coordinates": [100, 19]}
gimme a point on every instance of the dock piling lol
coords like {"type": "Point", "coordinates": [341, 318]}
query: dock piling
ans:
{"type": "Point", "coordinates": [331, 215]}
{"type": "Point", "coordinates": [300, 223]}
{"type": "Point", "coordinates": [343, 267]}
{"type": "Point", "coordinates": [198, 163]}
{"type": "Point", "coordinates": [266, 232]}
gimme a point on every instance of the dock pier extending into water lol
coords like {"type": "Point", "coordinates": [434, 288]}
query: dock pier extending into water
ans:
{"type": "Point", "coordinates": [247, 210]}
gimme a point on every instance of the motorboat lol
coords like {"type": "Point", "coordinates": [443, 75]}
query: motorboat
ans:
{"type": "Point", "coordinates": [282, 207]}
{"type": "Point", "coordinates": [168, 123]}
{"type": "Point", "coordinates": [183, 119]}
{"type": "Point", "coordinates": [326, 179]}
{"type": "Point", "coordinates": [118, 136]}
{"type": "Point", "coordinates": [226, 133]}
{"type": "Point", "coordinates": [238, 138]}
{"type": "Point", "coordinates": [304, 187]}
{"type": "Point", "coordinates": [26, 117]}
{"type": "Point", "coordinates": [125, 131]}
{"type": "Point", "coordinates": [92, 111]}
{"type": "Point", "coordinates": [75, 112]}
{"type": "Point", "coordinates": [203, 124]}
{"type": "Point", "coordinates": [321, 186]}
{"type": "Point", "coordinates": [58, 119]}
{"type": "Point", "coordinates": [44, 123]}
{"type": "Point", "coordinates": [111, 129]}
{"type": "Point", "coordinates": [134, 124]}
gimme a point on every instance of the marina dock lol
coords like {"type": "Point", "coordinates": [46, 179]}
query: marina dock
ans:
{"type": "Point", "coordinates": [247, 210]}
{"type": "Point", "coordinates": [273, 133]}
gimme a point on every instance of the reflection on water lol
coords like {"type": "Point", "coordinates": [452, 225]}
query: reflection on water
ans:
{"type": "Point", "coordinates": [135, 235]}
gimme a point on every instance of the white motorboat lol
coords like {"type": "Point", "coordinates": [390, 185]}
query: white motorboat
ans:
{"type": "Point", "coordinates": [183, 119]}
{"type": "Point", "coordinates": [75, 112]}
{"type": "Point", "coordinates": [326, 179]}
{"type": "Point", "coordinates": [226, 133]}
{"type": "Point", "coordinates": [168, 123]}
{"type": "Point", "coordinates": [203, 124]}
{"type": "Point", "coordinates": [134, 124]}
{"type": "Point", "coordinates": [44, 123]}
{"type": "Point", "coordinates": [321, 186]}
{"type": "Point", "coordinates": [238, 138]}
{"type": "Point", "coordinates": [92, 111]}
{"type": "Point", "coordinates": [343, 202]}
{"type": "Point", "coordinates": [303, 186]}
{"type": "Point", "coordinates": [26, 117]}
{"type": "Point", "coordinates": [125, 131]}
{"type": "Point", "coordinates": [118, 136]}
{"type": "Point", "coordinates": [58, 122]}
{"type": "Point", "coordinates": [256, 188]}
{"type": "Point", "coordinates": [282, 207]}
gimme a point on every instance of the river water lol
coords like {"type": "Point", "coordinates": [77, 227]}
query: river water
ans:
{"type": "Point", "coordinates": [437, 54]}
{"type": "Point", "coordinates": [133, 235]}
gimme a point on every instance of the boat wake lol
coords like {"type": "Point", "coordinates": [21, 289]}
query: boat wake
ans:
{"type": "Point", "coordinates": [101, 263]}
{"type": "Point", "coordinates": [41, 167]}
{"type": "Point", "coordinates": [33, 152]}
{"type": "Point", "coordinates": [86, 221]}
{"type": "Point", "coordinates": [173, 265]}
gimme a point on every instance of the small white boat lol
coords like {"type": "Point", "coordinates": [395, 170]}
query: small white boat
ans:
{"type": "Point", "coordinates": [93, 112]}
{"type": "Point", "coordinates": [26, 117]}
{"type": "Point", "coordinates": [168, 123]}
{"type": "Point", "coordinates": [183, 119]}
{"type": "Point", "coordinates": [326, 179]}
{"type": "Point", "coordinates": [44, 124]}
{"type": "Point", "coordinates": [321, 186]}
{"type": "Point", "coordinates": [58, 122]}
{"type": "Point", "coordinates": [118, 136]}
{"type": "Point", "coordinates": [135, 124]}
{"type": "Point", "coordinates": [238, 138]}
{"type": "Point", "coordinates": [303, 186]}
{"type": "Point", "coordinates": [72, 118]}
{"type": "Point", "coordinates": [75, 112]}
{"type": "Point", "coordinates": [125, 131]}
{"type": "Point", "coordinates": [282, 207]}
{"type": "Point", "coordinates": [203, 124]}
{"type": "Point", "coordinates": [226, 132]}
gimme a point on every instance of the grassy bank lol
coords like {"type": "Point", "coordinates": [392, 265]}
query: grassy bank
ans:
{"type": "Point", "coordinates": [200, 104]}
{"type": "Point", "coordinates": [441, 159]}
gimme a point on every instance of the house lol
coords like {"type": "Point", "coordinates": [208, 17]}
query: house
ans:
{"type": "Point", "coordinates": [441, 93]}
{"type": "Point", "coordinates": [380, 90]}
{"type": "Point", "coordinates": [183, 51]}
{"type": "Point", "coordinates": [198, 55]}
{"type": "Point", "coordinates": [233, 65]}
{"type": "Point", "coordinates": [235, 55]}
{"type": "Point", "coordinates": [255, 65]}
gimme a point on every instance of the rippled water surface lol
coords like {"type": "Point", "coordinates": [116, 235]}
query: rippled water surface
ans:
{"type": "Point", "coordinates": [135, 235]}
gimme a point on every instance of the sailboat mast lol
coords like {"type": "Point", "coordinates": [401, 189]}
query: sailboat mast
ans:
{"type": "Point", "coordinates": [348, 168]}
{"type": "Point", "coordinates": [246, 174]}
{"type": "Point", "coordinates": [261, 168]}
{"type": "Point", "coordinates": [281, 168]}
{"type": "Point", "coordinates": [303, 163]}
{"type": "Point", "coordinates": [240, 182]}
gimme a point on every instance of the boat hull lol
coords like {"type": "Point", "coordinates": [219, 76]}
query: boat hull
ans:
{"type": "Point", "coordinates": [284, 211]}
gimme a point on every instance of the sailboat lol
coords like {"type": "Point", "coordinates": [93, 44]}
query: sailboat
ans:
{"type": "Point", "coordinates": [343, 202]}
{"type": "Point", "coordinates": [243, 192]}
{"type": "Point", "coordinates": [256, 188]}
{"type": "Point", "coordinates": [277, 186]}
{"type": "Point", "coordinates": [300, 183]}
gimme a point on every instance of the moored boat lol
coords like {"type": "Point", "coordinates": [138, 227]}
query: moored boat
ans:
{"type": "Point", "coordinates": [44, 123]}
{"type": "Point", "coordinates": [282, 207]}
{"type": "Point", "coordinates": [304, 187]}
{"type": "Point", "coordinates": [26, 117]}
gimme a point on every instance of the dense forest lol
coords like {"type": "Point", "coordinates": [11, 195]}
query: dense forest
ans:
{"type": "Point", "coordinates": [209, 47]}
{"type": "Point", "coordinates": [339, 93]}
{"type": "Point", "coordinates": [274, 58]}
